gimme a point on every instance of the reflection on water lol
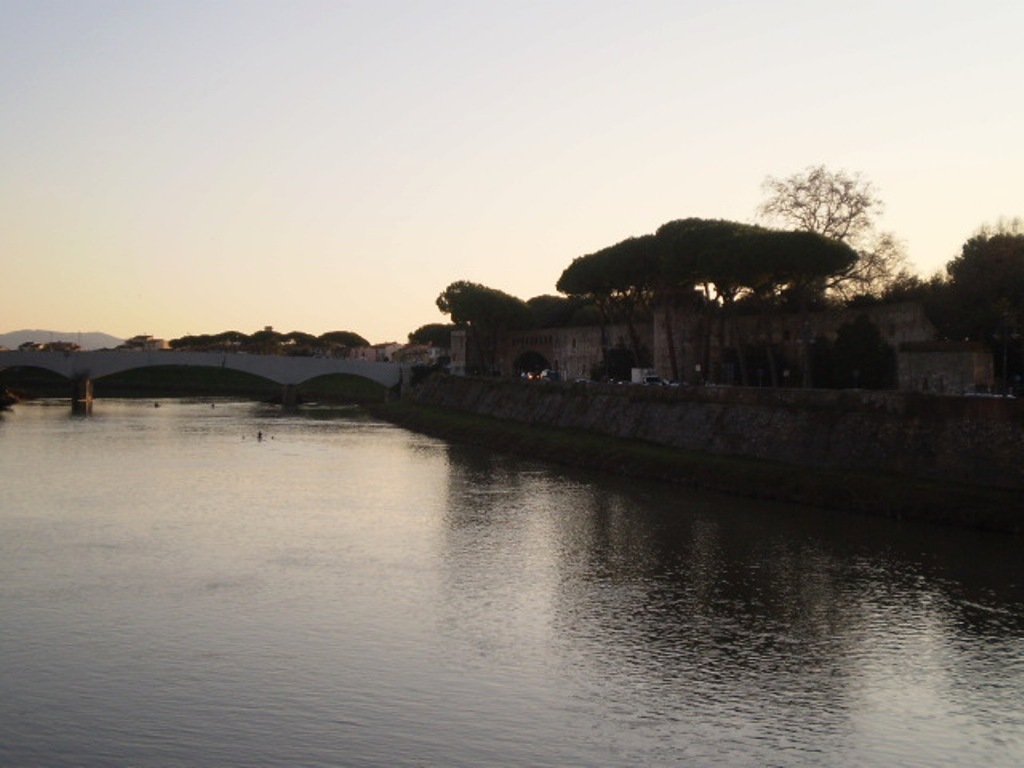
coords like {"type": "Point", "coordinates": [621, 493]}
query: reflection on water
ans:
{"type": "Point", "coordinates": [344, 592]}
{"type": "Point", "coordinates": [779, 631]}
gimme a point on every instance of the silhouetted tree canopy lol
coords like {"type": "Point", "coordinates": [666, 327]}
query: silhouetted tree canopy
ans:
{"type": "Point", "coordinates": [794, 264]}
{"type": "Point", "coordinates": [344, 339]}
{"type": "Point", "coordinates": [486, 313]}
{"type": "Point", "coordinates": [712, 255]}
{"type": "Point", "coordinates": [618, 279]}
{"type": "Point", "coordinates": [551, 311]}
{"type": "Point", "coordinates": [269, 342]}
{"type": "Point", "coordinates": [983, 297]}
{"type": "Point", "coordinates": [300, 343]}
{"type": "Point", "coordinates": [436, 334]}
{"type": "Point", "coordinates": [704, 264]}
{"type": "Point", "coordinates": [984, 288]}
{"type": "Point", "coordinates": [265, 342]}
{"type": "Point", "coordinates": [862, 358]}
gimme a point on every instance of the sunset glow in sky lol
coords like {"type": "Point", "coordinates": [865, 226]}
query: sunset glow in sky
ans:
{"type": "Point", "coordinates": [194, 166]}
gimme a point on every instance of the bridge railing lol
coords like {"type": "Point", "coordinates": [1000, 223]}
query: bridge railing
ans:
{"type": "Point", "coordinates": [284, 370]}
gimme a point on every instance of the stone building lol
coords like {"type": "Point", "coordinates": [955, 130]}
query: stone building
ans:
{"type": "Point", "coordinates": [700, 346]}
{"type": "Point", "coordinates": [145, 343]}
{"type": "Point", "coordinates": [945, 367]}
{"type": "Point", "coordinates": [573, 351]}
{"type": "Point", "coordinates": [696, 350]}
{"type": "Point", "coordinates": [459, 348]}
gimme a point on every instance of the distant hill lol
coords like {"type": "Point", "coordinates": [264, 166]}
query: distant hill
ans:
{"type": "Point", "coordinates": [92, 340]}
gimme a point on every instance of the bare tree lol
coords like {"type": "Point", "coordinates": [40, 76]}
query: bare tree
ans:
{"type": "Point", "coordinates": [1003, 226]}
{"type": "Point", "coordinates": [881, 263]}
{"type": "Point", "coordinates": [835, 204]}
{"type": "Point", "coordinates": [841, 206]}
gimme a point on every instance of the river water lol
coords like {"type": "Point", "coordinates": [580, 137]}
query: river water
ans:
{"type": "Point", "coordinates": [342, 592]}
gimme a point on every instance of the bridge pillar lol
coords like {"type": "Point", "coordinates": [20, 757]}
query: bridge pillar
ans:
{"type": "Point", "coordinates": [81, 395]}
{"type": "Point", "coordinates": [290, 396]}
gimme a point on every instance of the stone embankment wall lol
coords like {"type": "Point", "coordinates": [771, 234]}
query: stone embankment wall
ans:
{"type": "Point", "coordinates": [977, 441]}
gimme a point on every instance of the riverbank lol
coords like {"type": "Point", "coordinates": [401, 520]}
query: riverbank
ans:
{"type": "Point", "coordinates": [875, 492]}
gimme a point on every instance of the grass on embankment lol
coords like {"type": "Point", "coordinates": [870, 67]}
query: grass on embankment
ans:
{"type": "Point", "coordinates": [876, 494]}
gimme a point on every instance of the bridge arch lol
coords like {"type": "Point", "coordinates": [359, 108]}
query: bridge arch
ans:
{"type": "Point", "coordinates": [289, 372]}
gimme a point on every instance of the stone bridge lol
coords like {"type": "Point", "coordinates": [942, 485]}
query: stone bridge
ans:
{"type": "Point", "coordinates": [83, 368]}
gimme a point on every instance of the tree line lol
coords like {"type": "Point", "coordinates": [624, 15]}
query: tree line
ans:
{"type": "Point", "coordinates": [271, 342]}
{"type": "Point", "coordinates": [816, 247]}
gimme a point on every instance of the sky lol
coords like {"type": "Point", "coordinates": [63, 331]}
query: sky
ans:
{"type": "Point", "coordinates": [177, 167]}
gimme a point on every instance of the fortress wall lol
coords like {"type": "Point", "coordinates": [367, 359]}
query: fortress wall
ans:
{"type": "Point", "coordinates": [976, 441]}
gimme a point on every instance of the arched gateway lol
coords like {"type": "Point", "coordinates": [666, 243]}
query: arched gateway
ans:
{"type": "Point", "coordinates": [84, 367]}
